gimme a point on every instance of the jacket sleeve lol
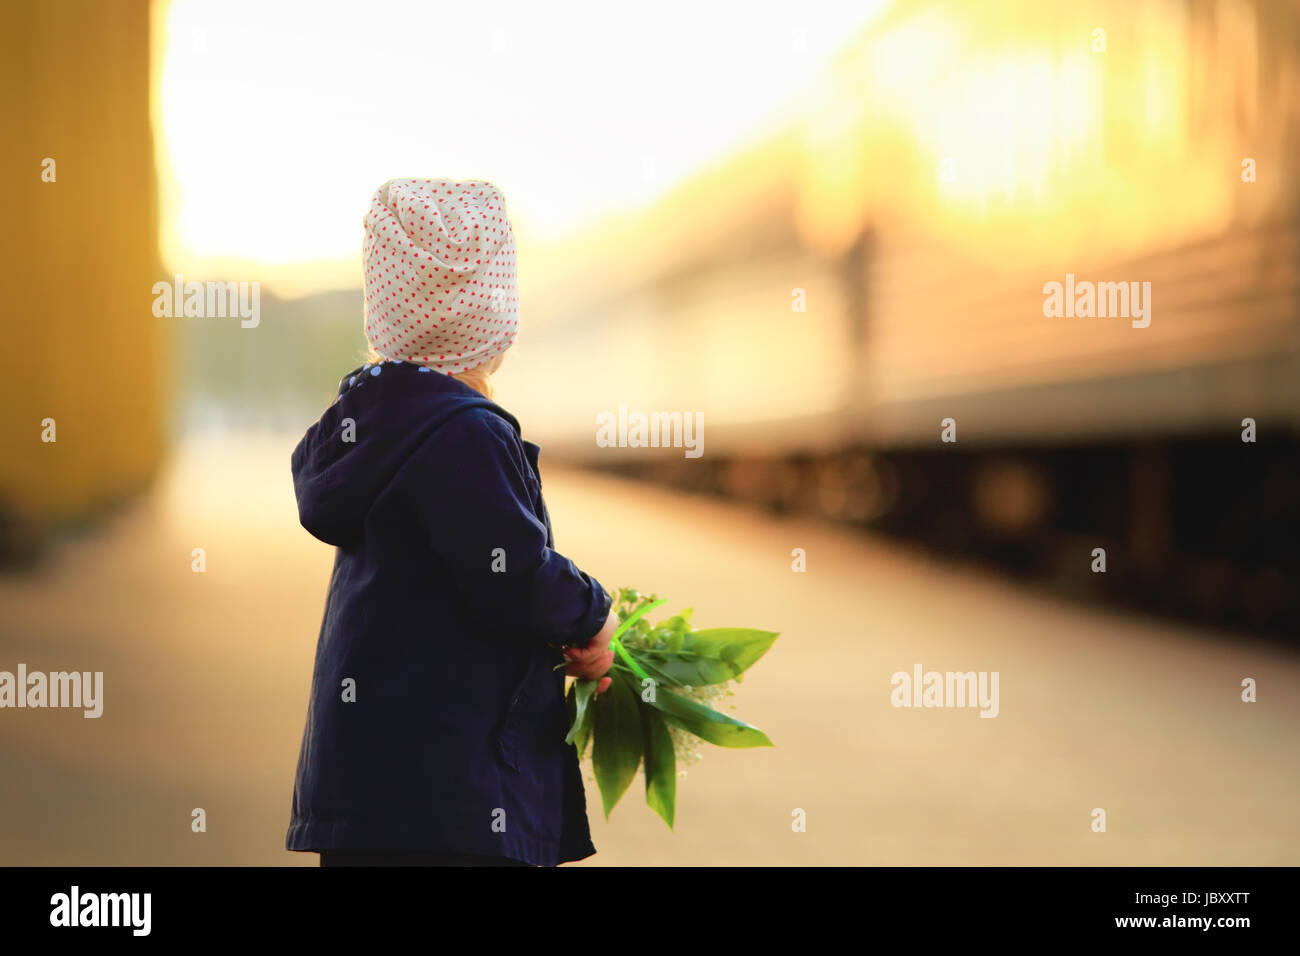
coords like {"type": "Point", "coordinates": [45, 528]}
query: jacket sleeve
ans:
{"type": "Point", "coordinates": [475, 502]}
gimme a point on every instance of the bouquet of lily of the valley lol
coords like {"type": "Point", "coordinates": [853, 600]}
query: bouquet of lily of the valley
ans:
{"type": "Point", "coordinates": [664, 678]}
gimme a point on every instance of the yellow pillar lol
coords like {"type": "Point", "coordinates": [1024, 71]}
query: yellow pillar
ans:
{"type": "Point", "coordinates": [78, 256]}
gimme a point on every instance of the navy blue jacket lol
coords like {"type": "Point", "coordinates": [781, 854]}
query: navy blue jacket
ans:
{"type": "Point", "coordinates": [447, 607]}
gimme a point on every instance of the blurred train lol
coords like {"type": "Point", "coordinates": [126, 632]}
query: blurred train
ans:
{"type": "Point", "coordinates": [874, 270]}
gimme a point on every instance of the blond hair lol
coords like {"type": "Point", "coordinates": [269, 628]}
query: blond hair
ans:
{"type": "Point", "coordinates": [478, 378]}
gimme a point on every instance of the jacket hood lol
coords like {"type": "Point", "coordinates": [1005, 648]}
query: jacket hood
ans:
{"type": "Point", "coordinates": [383, 413]}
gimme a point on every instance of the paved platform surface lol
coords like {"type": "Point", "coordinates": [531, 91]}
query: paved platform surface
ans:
{"type": "Point", "coordinates": [207, 674]}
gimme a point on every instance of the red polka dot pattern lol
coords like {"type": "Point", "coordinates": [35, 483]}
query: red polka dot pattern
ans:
{"type": "Point", "coordinates": [439, 258]}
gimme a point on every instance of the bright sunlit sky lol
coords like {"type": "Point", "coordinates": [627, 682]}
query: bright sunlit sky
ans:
{"type": "Point", "coordinates": [277, 120]}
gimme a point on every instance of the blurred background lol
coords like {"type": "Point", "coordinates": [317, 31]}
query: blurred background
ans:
{"type": "Point", "coordinates": [826, 229]}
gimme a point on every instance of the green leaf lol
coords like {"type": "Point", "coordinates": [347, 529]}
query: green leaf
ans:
{"type": "Point", "coordinates": [707, 723]}
{"type": "Point", "coordinates": [638, 622]}
{"type": "Point", "coordinates": [739, 646]}
{"type": "Point", "coordinates": [636, 618]}
{"type": "Point", "coordinates": [580, 730]}
{"type": "Point", "coordinates": [687, 669]}
{"type": "Point", "coordinates": [660, 765]}
{"type": "Point", "coordinates": [616, 752]}
{"type": "Point", "coordinates": [671, 634]}
{"type": "Point", "coordinates": [709, 657]}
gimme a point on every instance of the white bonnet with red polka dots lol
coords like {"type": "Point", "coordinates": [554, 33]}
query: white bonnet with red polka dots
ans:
{"type": "Point", "coordinates": [439, 258]}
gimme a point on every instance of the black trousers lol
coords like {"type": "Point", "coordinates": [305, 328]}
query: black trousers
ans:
{"type": "Point", "coordinates": [410, 858]}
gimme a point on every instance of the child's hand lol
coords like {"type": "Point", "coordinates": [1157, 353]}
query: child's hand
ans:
{"type": "Point", "coordinates": [594, 660]}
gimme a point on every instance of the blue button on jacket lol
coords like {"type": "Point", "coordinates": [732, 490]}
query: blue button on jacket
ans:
{"type": "Point", "coordinates": [436, 719]}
